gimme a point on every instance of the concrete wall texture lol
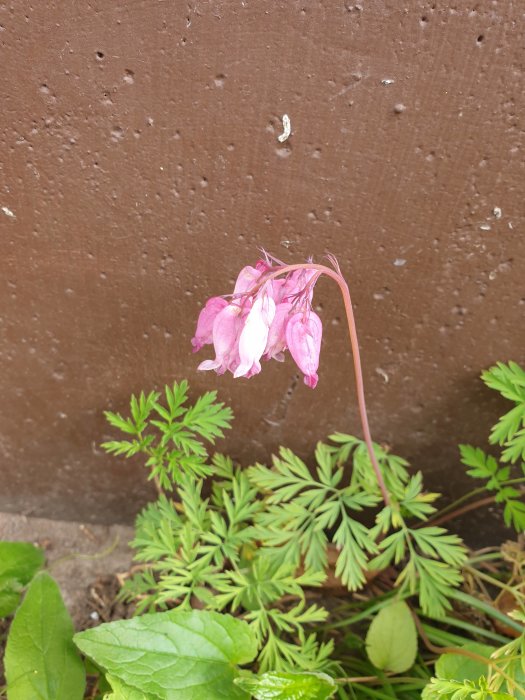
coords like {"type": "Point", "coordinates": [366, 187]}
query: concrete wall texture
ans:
{"type": "Point", "coordinates": [140, 170]}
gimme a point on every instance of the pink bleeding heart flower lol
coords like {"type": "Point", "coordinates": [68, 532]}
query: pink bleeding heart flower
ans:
{"type": "Point", "coordinates": [246, 279]}
{"type": "Point", "coordinates": [254, 335]}
{"type": "Point", "coordinates": [267, 315]}
{"type": "Point", "coordinates": [226, 330]}
{"type": "Point", "coordinates": [204, 333]}
{"type": "Point", "coordinates": [304, 332]}
{"type": "Point", "coordinates": [276, 343]}
{"type": "Point", "coordinates": [264, 318]}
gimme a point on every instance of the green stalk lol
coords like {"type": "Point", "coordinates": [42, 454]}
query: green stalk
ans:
{"type": "Point", "coordinates": [490, 610]}
{"type": "Point", "coordinates": [459, 501]}
{"type": "Point", "coordinates": [347, 622]}
{"type": "Point", "coordinates": [489, 556]}
{"type": "Point", "coordinates": [443, 638]}
{"type": "Point", "coordinates": [474, 629]}
{"type": "Point", "coordinates": [467, 496]}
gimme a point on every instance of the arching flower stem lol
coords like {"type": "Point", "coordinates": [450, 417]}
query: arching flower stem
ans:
{"type": "Point", "coordinates": [345, 291]}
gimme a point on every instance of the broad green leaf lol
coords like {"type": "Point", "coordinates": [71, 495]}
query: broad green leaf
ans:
{"type": "Point", "coordinates": [121, 691]}
{"type": "Point", "coordinates": [41, 661]}
{"type": "Point", "coordinates": [9, 596]}
{"type": "Point", "coordinates": [288, 686]}
{"type": "Point", "coordinates": [19, 562]}
{"type": "Point", "coordinates": [174, 655]}
{"type": "Point", "coordinates": [457, 667]}
{"type": "Point", "coordinates": [391, 641]}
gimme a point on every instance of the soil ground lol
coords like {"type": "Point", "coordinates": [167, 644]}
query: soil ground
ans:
{"type": "Point", "coordinates": [84, 560]}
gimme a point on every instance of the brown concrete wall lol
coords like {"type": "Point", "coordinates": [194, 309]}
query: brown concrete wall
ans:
{"type": "Point", "coordinates": [140, 169]}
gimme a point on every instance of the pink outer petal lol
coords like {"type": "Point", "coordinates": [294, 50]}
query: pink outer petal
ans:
{"type": "Point", "coordinates": [211, 364]}
{"type": "Point", "coordinates": [276, 342]}
{"type": "Point", "coordinates": [226, 329]}
{"type": "Point", "coordinates": [311, 380]}
{"type": "Point", "coordinates": [204, 333]}
{"type": "Point", "coordinates": [304, 332]}
{"type": "Point", "coordinates": [277, 288]}
{"type": "Point", "coordinates": [254, 335]}
{"type": "Point", "coordinates": [247, 279]}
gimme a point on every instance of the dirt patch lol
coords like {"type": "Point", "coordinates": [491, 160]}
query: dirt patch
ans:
{"type": "Point", "coordinates": [83, 559]}
{"type": "Point", "coordinates": [79, 557]}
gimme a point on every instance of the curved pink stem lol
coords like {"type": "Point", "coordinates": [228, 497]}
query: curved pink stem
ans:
{"type": "Point", "coordinates": [345, 291]}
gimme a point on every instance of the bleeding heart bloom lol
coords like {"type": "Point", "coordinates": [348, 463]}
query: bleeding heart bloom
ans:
{"type": "Point", "coordinates": [303, 337]}
{"type": "Point", "coordinates": [204, 333]}
{"type": "Point", "coordinates": [266, 316]}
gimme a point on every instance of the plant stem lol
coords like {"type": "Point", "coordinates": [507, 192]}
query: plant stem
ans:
{"type": "Point", "coordinates": [378, 679]}
{"type": "Point", "coordinates": [89, 557]}
{"type": "Point", "coordinates": [461, 511]}
{"type": "Point", "coordinates": [474, 629]}
{"type": "Point", "coordinates": [482, 489]}
{"type": "Point", "coordinates": [486, 608]}
{"type": "Point", "coordinates": [459, 501]}
{"type": "Point", "coordinates": [352, 329]}
{"type": "Point", "coordinates": [486, 554]}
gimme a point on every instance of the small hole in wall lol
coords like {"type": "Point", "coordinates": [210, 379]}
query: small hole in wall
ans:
{"type": "Point", "coordinates": [480, 39]}
{"type": "Point", "coordinates": [423, 21]}
{"type": "Point", "coordinates": [99, 55]}
{"type": "Point", "coordinates": [284, 151]}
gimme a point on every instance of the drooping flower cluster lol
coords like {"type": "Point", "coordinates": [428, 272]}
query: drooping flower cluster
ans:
{"type": "Point", "coordinates": [264, 316]}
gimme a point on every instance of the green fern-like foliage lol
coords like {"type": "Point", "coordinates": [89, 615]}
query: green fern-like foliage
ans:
{"type": "Point", "coordinates": [204, 551]}
{"type": "Point", "coordinates": [198, 550]}
{"type": "Point", "coordinates": [509, 433]}
{"type": "Point", "coordinates": [306, 512]}
{"type": "Point", "coordinates": [253, 541]}
{"type": "Point", "coordinates": [439, 689]}
{"type": "Point", "coordinates": [510, 662]}
{"type": "Point", "coordinates": [171, 435]}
